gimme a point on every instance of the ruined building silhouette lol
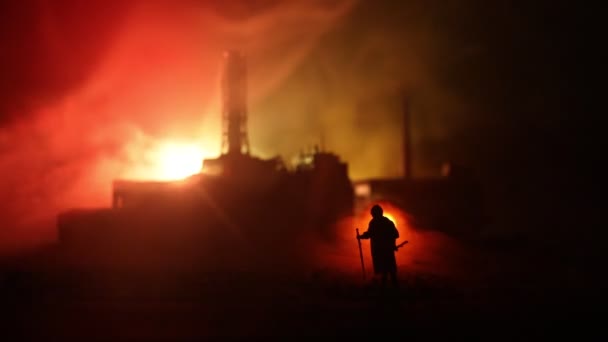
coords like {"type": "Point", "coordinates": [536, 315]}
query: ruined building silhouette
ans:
{"type": "Point", "coordinates": [241, 201]}
{"type": "Point", "coordinates": [235, 197]}
{"type": "Point", "coordinates": [451, 202]}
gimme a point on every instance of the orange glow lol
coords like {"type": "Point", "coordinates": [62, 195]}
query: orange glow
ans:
{"type": "Point", "coordinates": [164, 160]}
{"type": "Point", "coordinates": [394, 213]}
{"type": "Point", "coordinates": [141, 100]}
{"type": "Point", "coordinates": [392, 218]}
{"type": "Point", "coordinates": [173, 161]}
{"type": "Point", "coordinates": [177, 161]}
{"type": "Point", "coordinates": [344, 253]}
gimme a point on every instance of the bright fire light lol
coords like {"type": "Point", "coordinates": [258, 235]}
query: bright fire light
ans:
{"type": "Point", "coordinates": [399, 218]}
{"type": "Point", "coordinates": [177, 161]}
{"type": "Point", "coordinates": [391, 217]}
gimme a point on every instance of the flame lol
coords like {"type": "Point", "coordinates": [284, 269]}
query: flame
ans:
{"type": "Point", "coordinates": [164, 159]}
{"type": "Point", "coordinates": [174, 161]}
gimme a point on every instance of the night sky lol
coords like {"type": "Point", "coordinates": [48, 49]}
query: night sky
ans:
{"type": "Point", "coordinates": [496, 86]}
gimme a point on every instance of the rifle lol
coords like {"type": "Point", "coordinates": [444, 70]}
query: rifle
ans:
{"type": "Point", "coordinates": [400, 245]}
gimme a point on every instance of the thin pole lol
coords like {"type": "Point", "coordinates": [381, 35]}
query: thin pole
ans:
{"type": "Point", "coordinates": [360, 253]}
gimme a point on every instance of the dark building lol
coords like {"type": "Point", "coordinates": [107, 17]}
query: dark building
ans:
{"type": "Point", "coordinates": [451, 202]}
{"type": "Point", "coordinates": [239, 199]}
{"type": "Point", "coordinates": [236, 193]}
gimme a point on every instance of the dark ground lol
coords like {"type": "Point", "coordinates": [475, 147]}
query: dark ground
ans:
{"type": "Point", "coordinates": [506, 293]}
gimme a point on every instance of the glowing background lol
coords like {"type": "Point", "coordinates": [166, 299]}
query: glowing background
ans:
{"type": "Point", "coordinates": [92, 90]}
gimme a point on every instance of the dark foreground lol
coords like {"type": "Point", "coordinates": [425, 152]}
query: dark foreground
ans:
{"type": "Point", "coordinates": [506, 300]}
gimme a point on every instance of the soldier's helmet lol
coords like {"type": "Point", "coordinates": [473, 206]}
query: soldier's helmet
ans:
{"type": "Point", "coordinates": [376, 211]}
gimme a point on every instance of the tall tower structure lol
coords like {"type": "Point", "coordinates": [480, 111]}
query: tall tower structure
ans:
{"type": "Point", "coordinates": [407, 139]}
{"type": "Point", "coordinates": [234, 104]}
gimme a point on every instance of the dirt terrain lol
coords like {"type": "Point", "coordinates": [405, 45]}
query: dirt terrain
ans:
{"type": "Point", "coordinates": [447, 288]}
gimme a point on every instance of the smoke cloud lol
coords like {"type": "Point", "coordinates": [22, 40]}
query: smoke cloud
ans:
{"type": "Point", "coordinates": [90, 90]}
{"type": "Point", "coordinates": [95, 89]}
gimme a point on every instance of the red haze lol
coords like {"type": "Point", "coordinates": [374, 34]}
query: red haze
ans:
{"type": "Point", "coordinates": [153, 82]}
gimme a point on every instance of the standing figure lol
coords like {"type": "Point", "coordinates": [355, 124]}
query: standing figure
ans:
{"type": "Point", "coordinates": [383, 235]}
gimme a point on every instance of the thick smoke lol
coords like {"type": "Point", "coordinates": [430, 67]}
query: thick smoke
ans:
{"type": "Point", "coordinates": [90, 90]}
{"type": "Point", "coordinates": [96, 89]}
{"type": "Point", "coordinates": [348, 94]}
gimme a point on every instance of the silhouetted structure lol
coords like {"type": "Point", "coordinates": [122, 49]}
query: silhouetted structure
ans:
{"type": "Point", "coordinates": [235, 197]}
{"type": "Point", "coordinates": [240, 197]}
{"type": "Point", "coordinates": [407, 146]}
{"type": "Point", "coordinates": [451, 202]}
{"type": "Point", "coordinates": [235, 139]}
{"type": "Point", "coordinates": [383, 235]}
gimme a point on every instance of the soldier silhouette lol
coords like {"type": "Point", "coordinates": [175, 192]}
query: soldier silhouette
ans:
{"type": "Point", "coordinates": [383, 236]}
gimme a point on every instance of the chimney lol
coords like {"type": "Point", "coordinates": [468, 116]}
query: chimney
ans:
{"type": "Point", "coordinates": [407, 149]}
{"type": "Point", "coordinates": [234, 103]}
